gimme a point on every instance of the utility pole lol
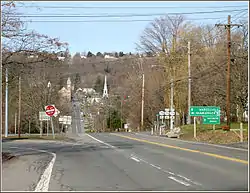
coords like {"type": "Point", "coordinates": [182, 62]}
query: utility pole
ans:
{"type": "Point", "coordinates": [142, 101]}
{"type": "Point", "coordinates": [189, 83]}
{"type": "Point", "coordinates": [15, 122]}
{"type": "Point", "coordinates": [19, 109]}
{"type": "Point", "coordinates": [1, 96]}
{"type": "Point", "coordinates": [121, 113]}
{"type": "Point", "coordinates": [228, 28]}
{"type": "Point", "coordinates": [6, 103]}
{"type": "Point", "coordinates": [171, 103]}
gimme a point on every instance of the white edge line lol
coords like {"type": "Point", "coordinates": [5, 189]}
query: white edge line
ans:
{"type": "Point", "coordinates": [101, 141]}
{"type": "Point", "coordinates": [43, 184]}
{"type": "Point", "coordinates": [178, 181]}
{"type": "Point", "coordinates": [193, 142]}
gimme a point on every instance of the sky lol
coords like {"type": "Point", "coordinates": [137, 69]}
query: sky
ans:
{"type": "Point", "coordinates": [116, 36]}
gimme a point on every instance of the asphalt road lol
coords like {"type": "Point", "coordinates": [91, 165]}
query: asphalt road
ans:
{"type": "Point", "coordinates": [121, 161]}
{"type": "Point", "coordinates": [106, 161]}
{"type": "Point", "coordinates": [77, 123]}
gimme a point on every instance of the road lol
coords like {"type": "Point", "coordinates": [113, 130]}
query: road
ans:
{"type": "Point", "coordinates": [122, 161]}
{"type": "Point", "coordinates": [77, 123]}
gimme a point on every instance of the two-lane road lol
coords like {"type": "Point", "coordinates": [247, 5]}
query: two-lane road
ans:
{"type": "Point", "coordinates": [123, 161]}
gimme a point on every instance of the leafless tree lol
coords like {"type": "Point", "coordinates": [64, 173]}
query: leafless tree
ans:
{"type": "Point", "coordinates": [160, 34]}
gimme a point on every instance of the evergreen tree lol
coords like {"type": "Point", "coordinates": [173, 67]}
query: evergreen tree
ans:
{"type": "Point", "coordinates": [116, 55]}
{"type": "Point", "coordinates": [90, 54]}
{"type": "Point", "coordinates": [121, 54]}
{"type": "Point", "coordinates": [99, 54]}
{"type": "Point", "coordinates": [114, 120]}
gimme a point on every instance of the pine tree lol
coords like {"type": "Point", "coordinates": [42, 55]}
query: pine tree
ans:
{"type": "Point", "coordinates": [99, 54]}
{"type": "Point", "coordinates": [121, 54]}
{"type": "Point", "coordinates": [90, 54]}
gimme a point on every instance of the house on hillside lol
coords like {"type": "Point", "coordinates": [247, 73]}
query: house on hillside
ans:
{"type": "Point", "coordinates": [109, 57]}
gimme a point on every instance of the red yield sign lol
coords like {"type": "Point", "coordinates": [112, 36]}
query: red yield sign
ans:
{"type": "Point", "coordinates": [50, 110]}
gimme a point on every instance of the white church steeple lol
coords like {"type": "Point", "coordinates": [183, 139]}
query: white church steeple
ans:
{"type": "Point", "coordinates": [68, 84]}
{"type": "Point", "coordinates": [105, 89]}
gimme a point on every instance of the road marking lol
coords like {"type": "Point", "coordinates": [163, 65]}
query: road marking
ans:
{"type": "Point", "coordinates": [157, 167]}
{"type": "Point", "coordinates": [184, 149]}
{"type": "Point", "coordinates": [178, 181]}
{"type": "Point", "coordinates": [101, 141]}
{"type": "Point", "coordinates": [43, 183]}
{"type": "Point", "coordinates": [189, 180]}
{"type": "Point", "coordinates": [137, 159]}
{"type": "Point", "coordinates": [193, 142]}
{"type": "Point", "coordinates": [169, 172]}
{"type": "Point", "coordinates": [133, 158]}
{"type": "Point", "coordinates": [165, 171]}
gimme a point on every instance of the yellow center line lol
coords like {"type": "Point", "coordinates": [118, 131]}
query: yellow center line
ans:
{"type": "Point", "coordinates": [184, 149]}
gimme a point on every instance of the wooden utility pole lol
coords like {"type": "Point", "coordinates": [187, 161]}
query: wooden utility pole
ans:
{"type": "Point", "coordinates": [142, 102]}
{"type": "Point", "coordinates": [1, 96]}
{"type": "Point", "coordinates": [19, 109]}
{"type": "Point", "coordinates": [189, 83]}
{"type": "Point", "coordinates": [228, 28]}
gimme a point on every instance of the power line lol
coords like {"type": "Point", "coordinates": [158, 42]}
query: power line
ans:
{"type": "Point", "coordinates": [107, 21]}
{"type": "Point", "coordinates": [241, 14]}
{"type": "Point", "coordinates": [125, 15]}
{"type": "Point", "coordinates": [126, 7]}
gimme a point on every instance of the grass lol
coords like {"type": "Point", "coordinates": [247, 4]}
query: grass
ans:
{"type": "Point", "coordinates": [205, 133]}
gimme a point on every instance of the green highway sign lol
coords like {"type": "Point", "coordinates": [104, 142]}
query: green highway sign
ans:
{"type": "Point", "coordinates": [204, 111]}
{"type": "Point", "coordinates": [211, 120]}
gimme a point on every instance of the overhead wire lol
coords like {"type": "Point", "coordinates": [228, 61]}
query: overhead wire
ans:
{"type": "Point", "coordinates": [105, 21]}
{"type": "Point", "coordinates": [124, 15]}
{"type": "Point", "coordinates": [126, 7]}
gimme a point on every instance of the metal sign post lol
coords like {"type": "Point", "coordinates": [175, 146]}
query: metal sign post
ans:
{"type": "Point", "coordinates": [194, 127]}
{"type": "Point", "coordinates": [52, 126]}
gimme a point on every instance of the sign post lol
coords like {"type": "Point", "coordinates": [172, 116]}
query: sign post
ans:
{"type": "Point", "coordinates": [52, 127]}
{"type": "Point", "coordinates": [241, 132]}
{"type": "Point", "coordinates": [29, 125]}
{"type": "Point", "coordinates": [50, 111]}
{"type": "Point", "coordinates": [194, 127]}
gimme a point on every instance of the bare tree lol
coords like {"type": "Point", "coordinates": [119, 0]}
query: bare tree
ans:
{"type": "Point", "coordinates": [160, 34]}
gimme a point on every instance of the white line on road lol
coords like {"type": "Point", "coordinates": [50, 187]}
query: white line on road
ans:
{"type": "Point", "coordinates": [101, 141]}
{"type": "Point", "coordinates": [137, 159]}
{"type": "Point", "coordinates": [187, 179]}
{"type": "Point", "coordinates": [165, 171]}
{"type": "Point", "coordinates": [178, 181]}
{"type": "Point", "coordinates": [133, 158]}
{"type": "Point", "coordinates": [157, 167]}
{"type": "Point", "coordinates": [43, 184]}
{"type": "Point", "coordinates": [169, 172]}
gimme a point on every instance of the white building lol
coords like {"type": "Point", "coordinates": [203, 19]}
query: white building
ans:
{"type": "Point", "coordinates": [65, 93]}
